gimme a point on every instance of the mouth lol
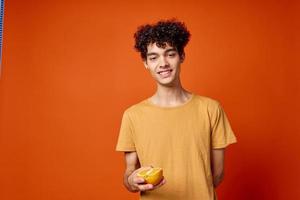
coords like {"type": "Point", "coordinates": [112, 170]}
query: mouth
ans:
{"type": "Point", "coordinates": [165, 72]}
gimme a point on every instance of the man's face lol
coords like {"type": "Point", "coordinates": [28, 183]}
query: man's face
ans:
{"type": "Point", "coordinates": [163, 64]}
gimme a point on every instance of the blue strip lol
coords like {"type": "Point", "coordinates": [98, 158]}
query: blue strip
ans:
{"type": "Point", "coordinates": [1, 30]}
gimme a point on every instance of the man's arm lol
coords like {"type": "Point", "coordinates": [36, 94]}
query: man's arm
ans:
{"type": "Point", "coordinates": [132, 163]}
{"type": "Point", "coordinates": [218, 166]}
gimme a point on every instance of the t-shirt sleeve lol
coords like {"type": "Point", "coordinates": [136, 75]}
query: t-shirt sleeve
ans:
{"type": "Point", "coordinates": [126, 140]}
{"type": "Point", "coordinates": [222, 134]}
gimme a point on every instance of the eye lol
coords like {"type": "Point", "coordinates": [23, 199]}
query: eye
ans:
{"type": "Point", "coordinates": [152, 58]}
{"type": "Point", "coordinates": [171, 54]}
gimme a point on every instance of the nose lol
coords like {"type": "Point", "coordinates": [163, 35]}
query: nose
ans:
{"type": "Point", "coordinates": [163, 62]}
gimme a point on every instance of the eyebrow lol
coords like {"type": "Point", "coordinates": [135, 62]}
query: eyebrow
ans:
{"type": "Point", "coordinates": [154, 54]}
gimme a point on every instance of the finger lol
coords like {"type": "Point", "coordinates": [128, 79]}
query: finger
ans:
{"type": "Point", "coordinates": [146, 167]}
{"type": "Point", "coordinates": [145, 187]}
{"type": "Point", "coordinates": [137, 180]}
{"type": "Point", "coordinates": [162, 181]}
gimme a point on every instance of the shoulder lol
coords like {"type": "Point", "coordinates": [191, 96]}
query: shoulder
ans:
{"type": "Point", "coordinates": [211, 106]}
{"type": "Point", "coordinates": [136, 108]}
{"type": "Point", "coordinates": [208, 102]}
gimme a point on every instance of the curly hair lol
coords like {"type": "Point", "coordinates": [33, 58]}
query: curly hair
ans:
{"type": "Point", "coordinates": [169, 31]}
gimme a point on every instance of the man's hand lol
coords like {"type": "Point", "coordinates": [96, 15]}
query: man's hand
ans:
{"type": "Point", "coordinates": [132, 182]}
{"type": "Point", "coordinates": [138, 183]}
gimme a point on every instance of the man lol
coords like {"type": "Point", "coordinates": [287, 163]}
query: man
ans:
{"type": "Point", "coordinates": [179, 131]}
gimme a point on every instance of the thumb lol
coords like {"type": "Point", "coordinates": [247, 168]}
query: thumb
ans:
{"type": "Point", "coordinates": [149, 166]}
{"type": "Point", "coordinates": [145, 168]}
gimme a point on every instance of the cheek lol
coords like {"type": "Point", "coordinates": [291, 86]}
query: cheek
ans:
{"type": "Point", "coordinates": [151, 68]}
{"type": "Point", "coordinates": [152, 71]}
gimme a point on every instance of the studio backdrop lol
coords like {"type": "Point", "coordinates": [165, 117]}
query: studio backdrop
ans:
{"type": "Point", "coordinates": [69, 70]}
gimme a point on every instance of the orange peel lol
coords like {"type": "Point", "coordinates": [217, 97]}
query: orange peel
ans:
{"type": "Point", "coordinates": [151, 176]}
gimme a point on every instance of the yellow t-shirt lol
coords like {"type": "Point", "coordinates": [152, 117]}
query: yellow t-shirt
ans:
{"type": "Point", "coordinates": [178, 139]}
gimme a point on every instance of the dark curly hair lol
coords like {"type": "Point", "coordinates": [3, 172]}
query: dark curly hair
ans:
{"type": "Point", "coordinates": [169, 31]}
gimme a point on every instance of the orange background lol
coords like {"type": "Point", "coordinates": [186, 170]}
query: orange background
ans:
{"type": "Point", "coordinates": [69, 71]}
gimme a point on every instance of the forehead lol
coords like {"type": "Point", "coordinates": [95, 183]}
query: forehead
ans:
{"type": "Point", "coordinates": [153, 48]}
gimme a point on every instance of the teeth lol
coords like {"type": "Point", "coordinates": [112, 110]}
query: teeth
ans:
{"type": "Point", "coordinates": [165, 72]}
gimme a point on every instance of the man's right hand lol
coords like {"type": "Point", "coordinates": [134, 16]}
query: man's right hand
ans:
{"type": "Point", "coordinates": [137, 183]}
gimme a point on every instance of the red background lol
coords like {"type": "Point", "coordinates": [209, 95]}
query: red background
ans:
{"type": "Point", "coordinates": [69, 70]}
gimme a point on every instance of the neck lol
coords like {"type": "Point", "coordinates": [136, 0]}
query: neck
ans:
{"type": "Point", "coordinates": [170, 95]}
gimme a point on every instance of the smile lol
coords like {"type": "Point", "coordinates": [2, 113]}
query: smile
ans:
{"type": "Point", "coordinates": [164, 72]}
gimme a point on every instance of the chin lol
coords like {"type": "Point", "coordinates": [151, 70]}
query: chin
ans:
{"type": "Point", "coordinates": [170, 81]}
{"type": "Point", "coordinates": [167, 83]}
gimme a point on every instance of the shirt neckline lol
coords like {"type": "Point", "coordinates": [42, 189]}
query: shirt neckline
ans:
{"type": "Point", "coordinates": [148, 102]}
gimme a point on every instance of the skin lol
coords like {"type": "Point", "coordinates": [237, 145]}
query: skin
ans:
{"type": "Point", "coordinates": [132, 182]}
{"type": "Point", "coordinates": [169, 92]}
{"type": "Point", "coordinates": [217, 163]}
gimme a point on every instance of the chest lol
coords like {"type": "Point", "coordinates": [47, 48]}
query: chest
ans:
{"type": "Point", "coordinates": [175, 131]}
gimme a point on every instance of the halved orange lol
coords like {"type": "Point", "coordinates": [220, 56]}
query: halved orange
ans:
{"type": "Point", "coordinates": [152, 176]}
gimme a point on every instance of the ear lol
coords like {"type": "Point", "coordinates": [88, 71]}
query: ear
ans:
{"type": "Point", "coordinates": [182, 57]}
{"type": "Point", "coordinates": [145, 64]}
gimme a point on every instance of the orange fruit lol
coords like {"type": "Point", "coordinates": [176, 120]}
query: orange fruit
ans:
{"type": "Point", "coordinates": [152, 176]}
